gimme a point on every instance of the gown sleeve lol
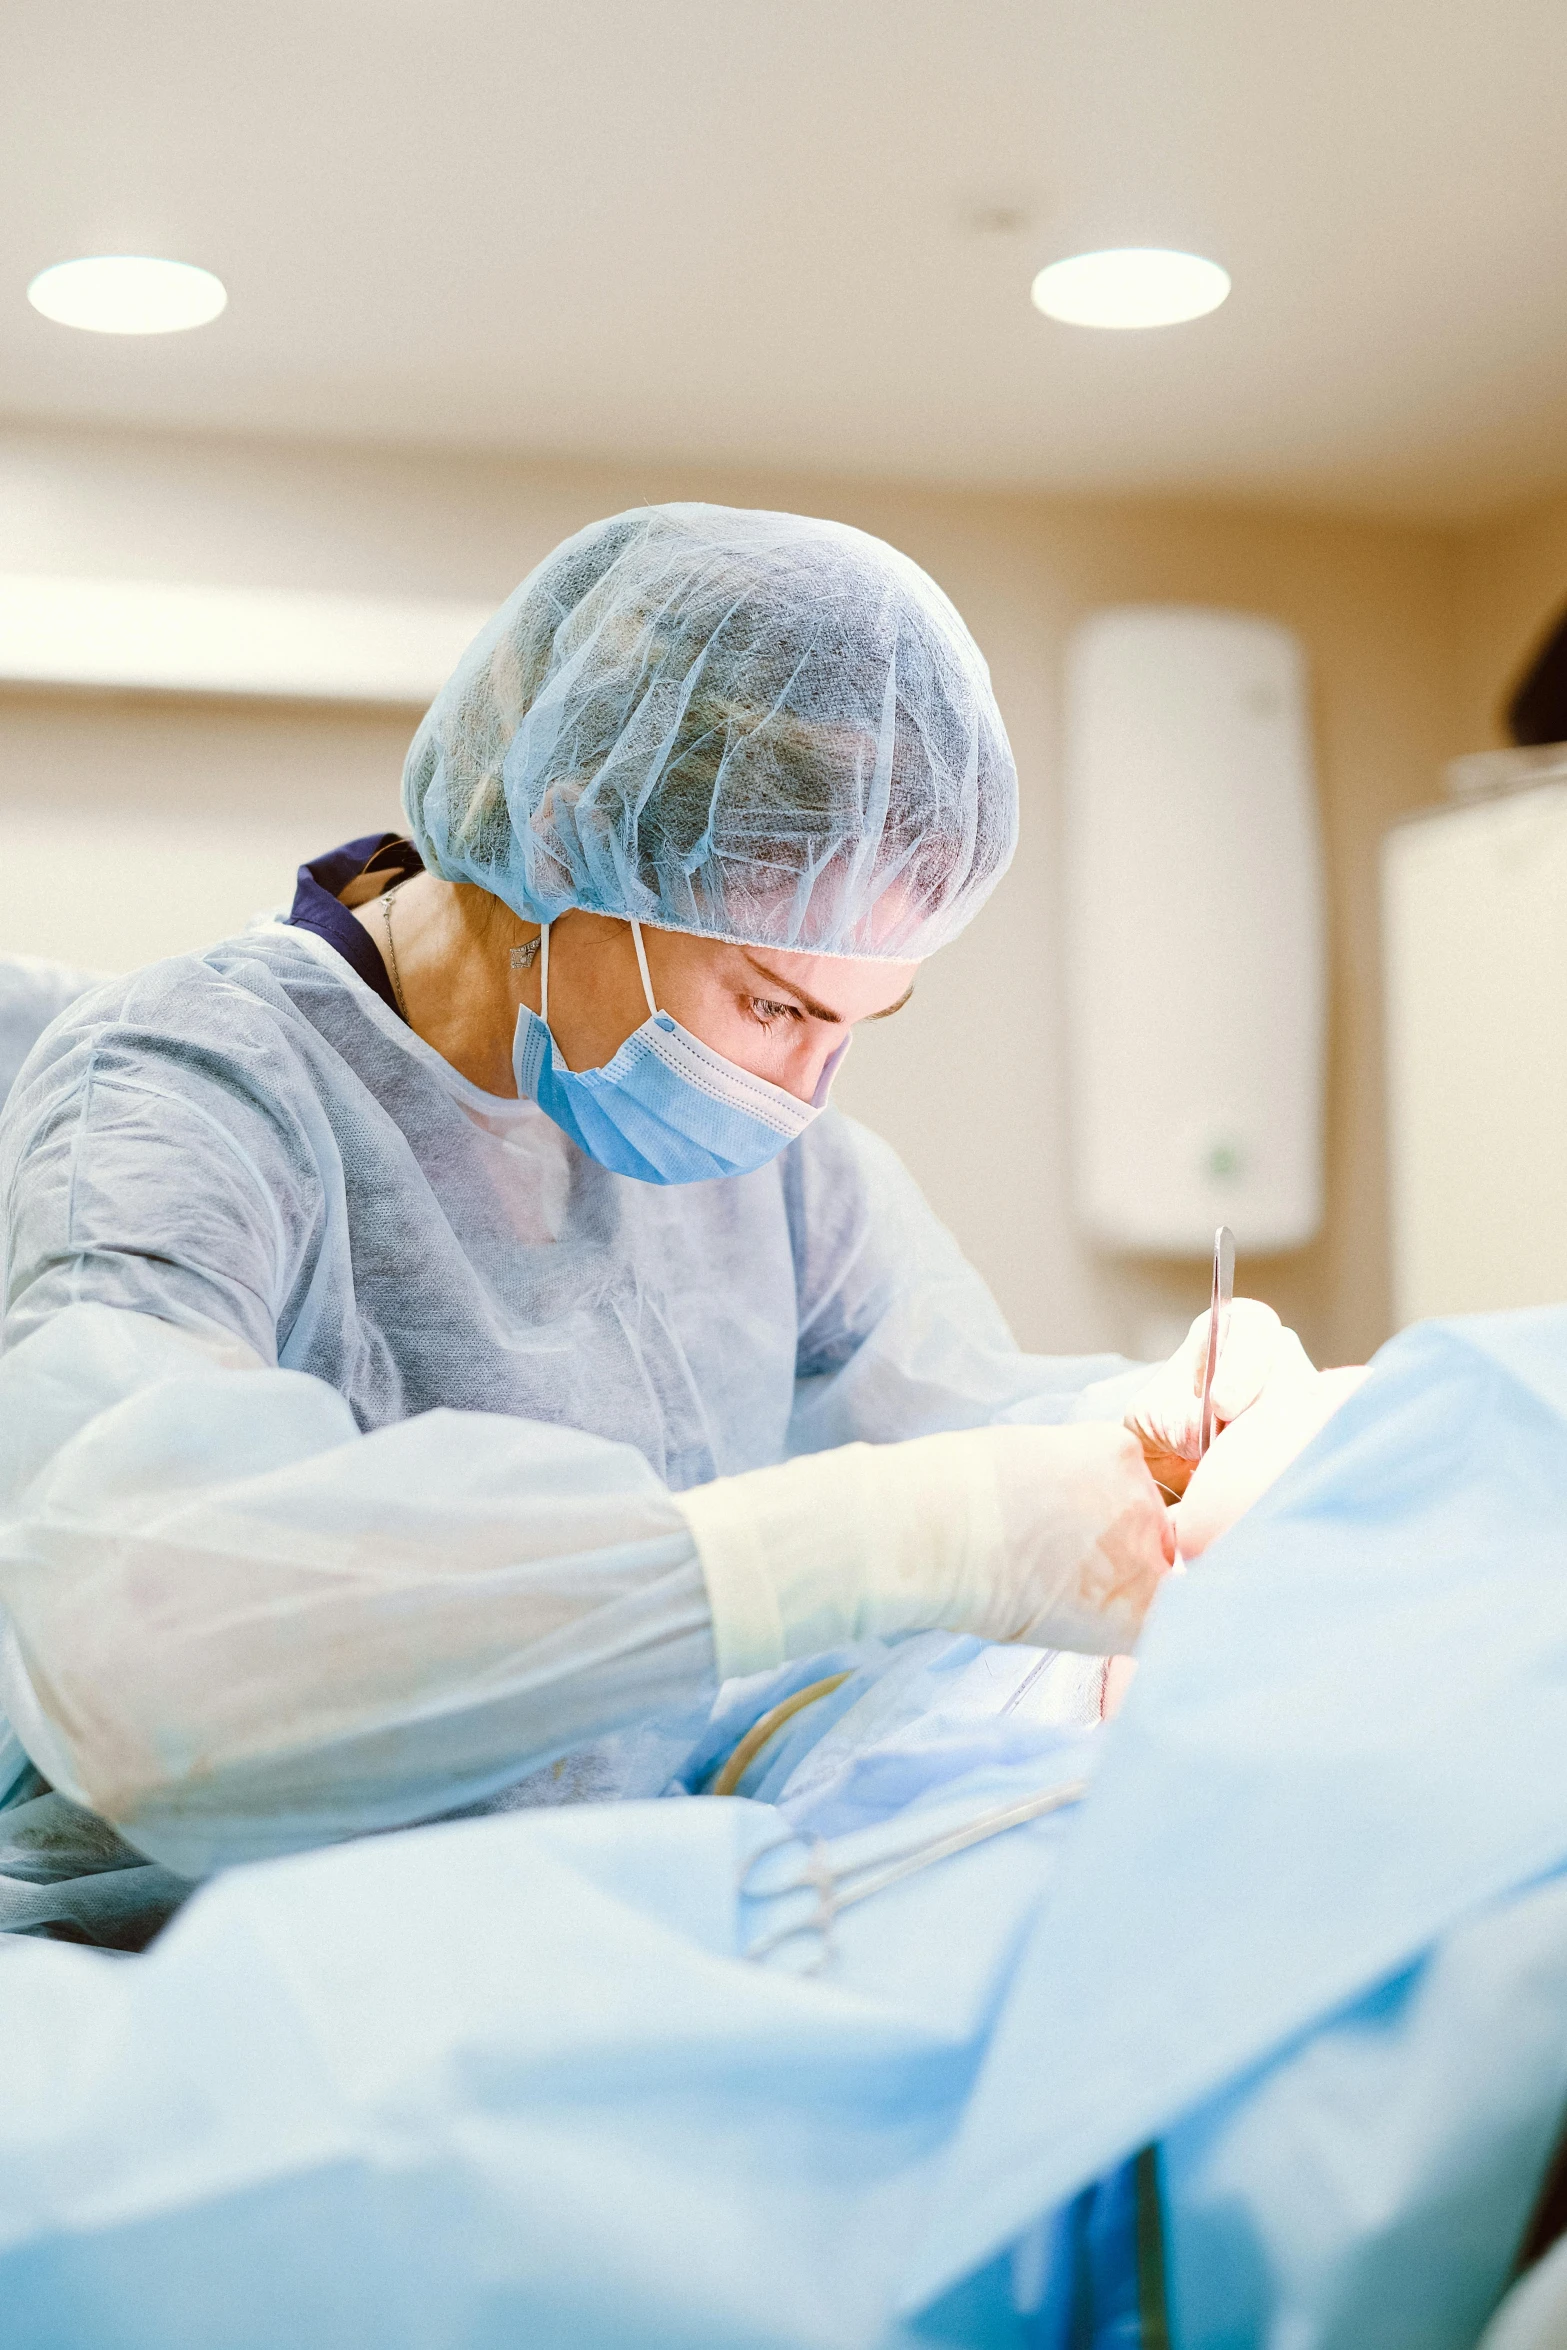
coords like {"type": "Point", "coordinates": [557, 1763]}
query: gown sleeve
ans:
{"type": "Point", "coordinates": [899, 1336]}
{"type": "Point", "coordinates": [234, 1624]}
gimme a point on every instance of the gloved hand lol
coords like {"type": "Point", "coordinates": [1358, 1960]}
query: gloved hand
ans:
{"type": "Point", "coordinates": [1258, 1354]}
{"type": "Point", "coordinates": [1086, 1538]}
{"type": "Point", "coordinates": [1240, 1465]}
{"type": "Point", "coordinates": [1054, 1535]}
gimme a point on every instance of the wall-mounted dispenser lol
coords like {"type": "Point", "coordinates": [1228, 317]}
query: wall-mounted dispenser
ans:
{"type": "Point", "coordinates": [1194, 921]}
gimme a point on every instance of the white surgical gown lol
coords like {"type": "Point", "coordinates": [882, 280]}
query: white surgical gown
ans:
{"type": "Point", "coordinates": [341, 1403]}
{"type": "Point", "coordinates": [32, 991]}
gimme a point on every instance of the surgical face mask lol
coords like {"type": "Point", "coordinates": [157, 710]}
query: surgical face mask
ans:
{"type": "Point", "coordinates": [667, 1108]}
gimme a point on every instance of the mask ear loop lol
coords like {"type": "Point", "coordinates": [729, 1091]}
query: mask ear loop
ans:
{"type": "Point", "coordinates": [544, 970]}
{"type": "Point", "coordinates": [647, 984]}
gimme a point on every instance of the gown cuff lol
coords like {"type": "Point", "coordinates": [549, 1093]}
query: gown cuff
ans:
{"type": "Point", "coordinates": [862, 1542]}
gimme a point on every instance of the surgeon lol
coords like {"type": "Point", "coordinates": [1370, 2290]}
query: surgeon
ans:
{"type": "Point", "coordinates": [449, 1325]}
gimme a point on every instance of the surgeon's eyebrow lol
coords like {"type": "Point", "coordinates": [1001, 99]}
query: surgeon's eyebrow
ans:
{"type": "Point", "coordinates": [809, 1003]}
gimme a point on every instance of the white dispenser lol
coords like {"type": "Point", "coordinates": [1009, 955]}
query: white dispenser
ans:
{"type": "Point", "coordinates": [1194, 921]}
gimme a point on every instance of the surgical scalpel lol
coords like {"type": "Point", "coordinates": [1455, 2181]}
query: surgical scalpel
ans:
{"type": "Point", "coordinates": [1218, 1326]}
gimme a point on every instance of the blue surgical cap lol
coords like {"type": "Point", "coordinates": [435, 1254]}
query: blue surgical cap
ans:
{"type": "Point", "coordinates": [752, 726]}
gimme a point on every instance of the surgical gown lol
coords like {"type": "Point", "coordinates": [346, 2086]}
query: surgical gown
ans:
{"type": "Point", "coordinates": [341, 1403]}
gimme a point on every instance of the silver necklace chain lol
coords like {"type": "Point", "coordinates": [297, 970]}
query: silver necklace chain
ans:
{"type": "Point", "coordinates": [391, 947]}
{"type": "Point", "coordinates": [523, 958]}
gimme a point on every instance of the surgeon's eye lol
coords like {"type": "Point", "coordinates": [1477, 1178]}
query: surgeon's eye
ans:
{"type": "Point", "coordinates": [769, 1014]}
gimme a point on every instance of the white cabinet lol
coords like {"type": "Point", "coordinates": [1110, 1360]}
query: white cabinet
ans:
{"type": "Point", "coordinates": [1475, 929]}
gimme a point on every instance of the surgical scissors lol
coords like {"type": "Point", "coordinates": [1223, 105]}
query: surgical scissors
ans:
{"type": "Point", "coordinates": [1218, 1326]}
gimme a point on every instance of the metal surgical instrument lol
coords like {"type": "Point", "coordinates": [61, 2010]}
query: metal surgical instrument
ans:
{"type": "Point", "coordinates": [1218, 1326]}
{"type": "Point", "coordinates": [836, 1890]}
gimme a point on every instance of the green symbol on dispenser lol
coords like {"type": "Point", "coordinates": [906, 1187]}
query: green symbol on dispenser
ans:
{"type": "Point", "coordinates": [1222, 1162]}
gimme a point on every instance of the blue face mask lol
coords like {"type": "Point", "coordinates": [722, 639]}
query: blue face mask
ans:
{"type": "Point", "coordinates": [666, 1109]}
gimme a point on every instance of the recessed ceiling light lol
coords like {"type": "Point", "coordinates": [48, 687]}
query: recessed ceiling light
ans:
{"type": "Point", "coordinates": [1132, 285]}
{"type": "Point", "coordinates": [127, 294]}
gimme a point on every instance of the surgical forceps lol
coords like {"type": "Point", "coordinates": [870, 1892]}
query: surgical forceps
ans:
{"type": "Point", "coordinates": [839, 1889]}
{"type": "Point", "coordinates": [1218, 1326]}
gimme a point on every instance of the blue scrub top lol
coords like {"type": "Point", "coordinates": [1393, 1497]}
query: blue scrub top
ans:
{"type": "Point", "coordinates": [318, 905]}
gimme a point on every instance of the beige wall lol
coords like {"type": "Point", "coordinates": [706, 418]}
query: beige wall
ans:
{"type": "Point", "coordinates": [968, 1083]}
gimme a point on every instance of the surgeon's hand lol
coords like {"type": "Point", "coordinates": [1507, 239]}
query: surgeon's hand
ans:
{"type": "Point", "coordinates": [1086, 1538]}
{"type": "Point", "coordinates": [1258, 1354]}
{"type": "Point", "coordinates": [1240, 1465]}
{"type": "Point", "coordinates": [1051, 1535]}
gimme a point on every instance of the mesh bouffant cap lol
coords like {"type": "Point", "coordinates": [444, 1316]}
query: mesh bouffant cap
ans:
{"type": "Point", "coordinates": [752, 726]}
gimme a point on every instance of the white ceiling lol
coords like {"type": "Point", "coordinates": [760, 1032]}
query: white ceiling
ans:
{"type": "Point", "coordinates": [744, 230]}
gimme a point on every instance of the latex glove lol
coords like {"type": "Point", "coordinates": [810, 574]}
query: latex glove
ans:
{"type": "Point", "coordinates": [1240, 1465]}
{"type": "Point", "coordinates": [1053, 1535]}
{"type": "Point", "coordinates": [1166, 1416]}
{"type": "Point", "coordinates": [1086, 1538]}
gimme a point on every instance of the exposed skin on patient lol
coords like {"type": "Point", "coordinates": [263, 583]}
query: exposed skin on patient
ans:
{"type": "Point", "coordinates": [1244, 1459]}
{"type": "Point", "coordinates": [1117, 1681]}
{"type": "Point", "coordinates": [1254, 1451]}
